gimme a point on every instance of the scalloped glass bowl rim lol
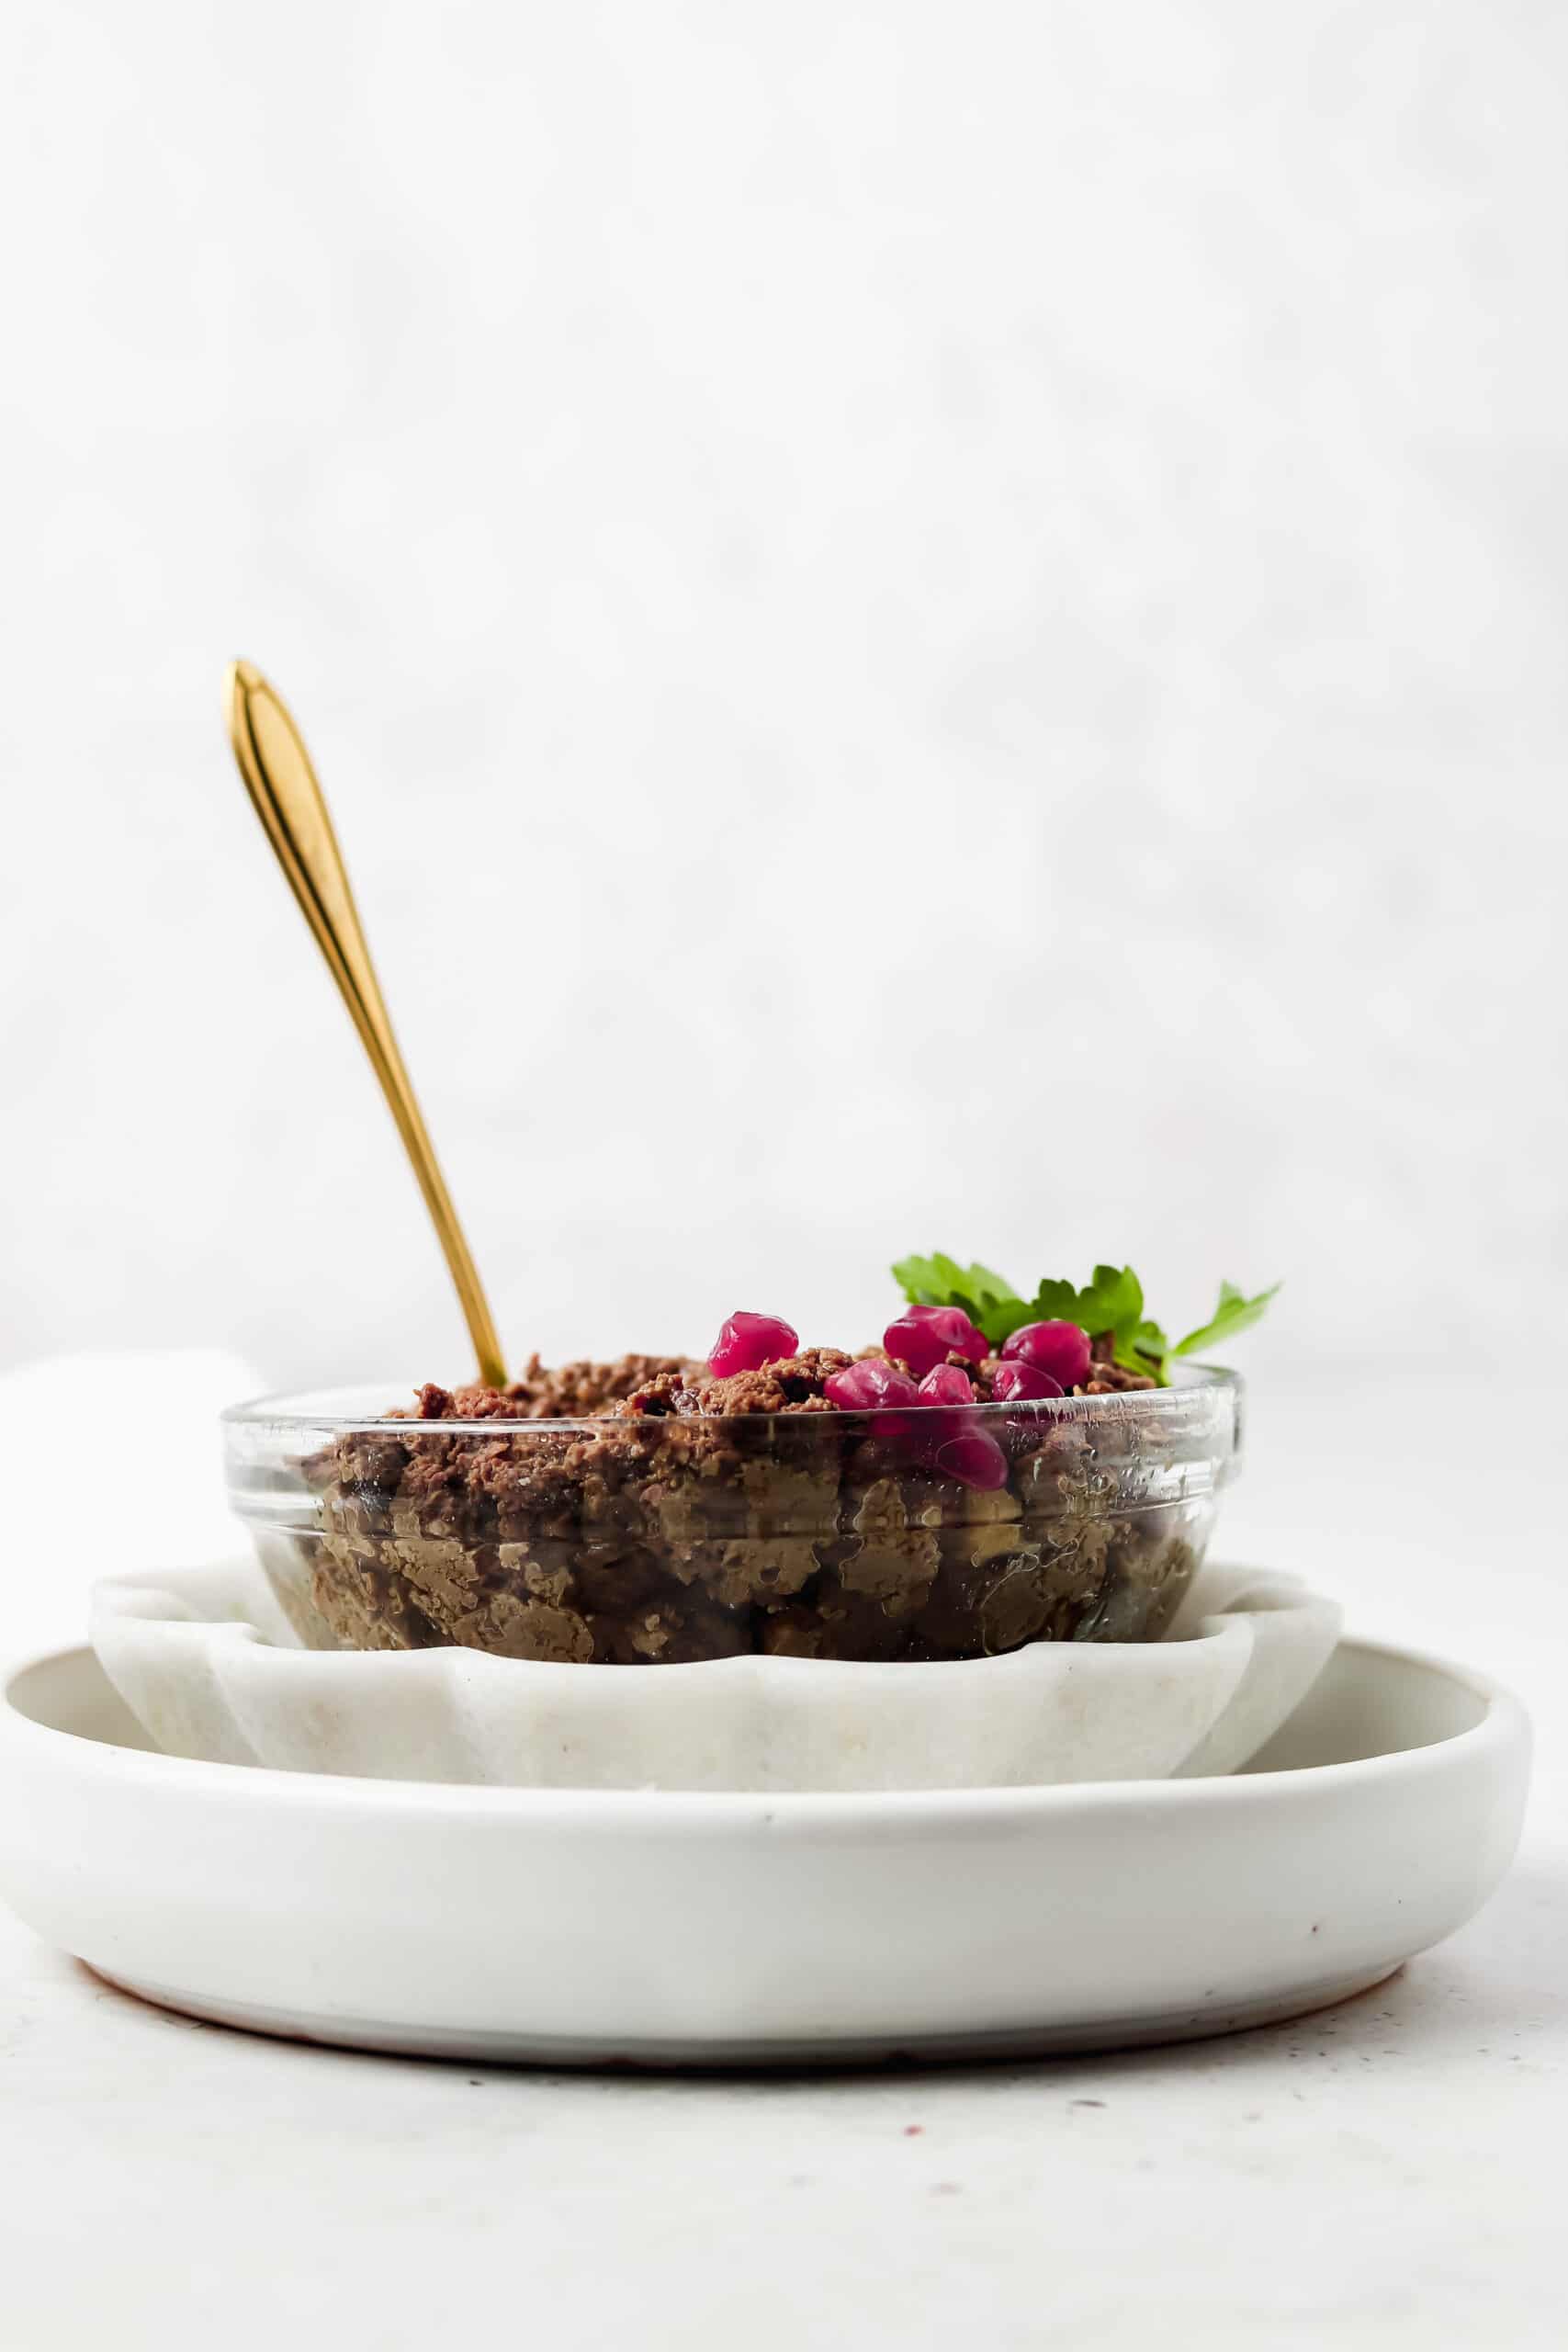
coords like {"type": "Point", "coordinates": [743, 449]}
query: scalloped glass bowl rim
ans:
{"type": "Point", "coordinates": [323, 1409]}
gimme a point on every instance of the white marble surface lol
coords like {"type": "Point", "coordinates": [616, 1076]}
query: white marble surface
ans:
{"type": "Point", "coordinates": [1387, 2175]}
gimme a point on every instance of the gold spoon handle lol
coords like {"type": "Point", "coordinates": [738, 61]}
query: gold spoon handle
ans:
{"type": "Point", "coordinates": [282, 784]}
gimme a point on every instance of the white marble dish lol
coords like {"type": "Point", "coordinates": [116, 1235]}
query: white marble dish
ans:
{"type": "Point", "coordinates": [585, 1926]}
{"type": "Point", "coordinates": [208, 1665]}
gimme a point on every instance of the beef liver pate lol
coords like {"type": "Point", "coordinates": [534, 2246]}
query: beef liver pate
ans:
{"type": "Point", "coordinates": [655, 1516]}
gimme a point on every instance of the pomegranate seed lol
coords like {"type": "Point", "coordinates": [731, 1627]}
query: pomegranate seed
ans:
{"type": "Point", "coordinates": [924, 1336]}
{"type": "Point", "coordinates": [746, 1342]}
{"type": "Point", "coordinates": [869, 1386]}
{"type": "Point", "coordinates": [945, 1385]}
{"type": "Point", "coordinates": [1013, 1381]}
{"type": "Point", "coordinates": [973, 1459]}
{"type": "Point", "coordinates": [1060, 1349]}
{"type": "Point", "coordinates": [950, 1319]}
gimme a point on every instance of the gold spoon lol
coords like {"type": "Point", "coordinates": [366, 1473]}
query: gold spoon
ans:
{"type": "Point", "coordinates": [282, 784]}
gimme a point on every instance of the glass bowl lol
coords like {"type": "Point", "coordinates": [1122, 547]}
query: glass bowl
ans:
{"type": "Point", "coordinates": [952, 1533]}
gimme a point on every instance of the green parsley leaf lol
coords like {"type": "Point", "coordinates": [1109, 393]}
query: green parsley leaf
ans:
{"type": "Point", "coordinates": [1146, 1350]}
{"type": "Point", "coordinates": [1112, 1300]}
{"type": "Point", "coordinates": [1234, 1313]}
{"type": "Point", "coordinates": [988, 1289]}
{"type": "Point", "coordinates": [926, 1282]}
{"type": "Point", "coordinates": [1057, 1302]}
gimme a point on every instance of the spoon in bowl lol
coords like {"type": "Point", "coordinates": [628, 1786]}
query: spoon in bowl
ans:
{"type": "Point", "coordinates": [289, 800]}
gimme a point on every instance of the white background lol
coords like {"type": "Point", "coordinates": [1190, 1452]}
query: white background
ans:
{"type": "Point", "coordinates": [927, 627]}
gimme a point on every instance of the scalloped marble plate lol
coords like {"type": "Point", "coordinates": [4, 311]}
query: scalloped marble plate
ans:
{"type": "Point", "coordinates": [207, 1664]}
{"type": "Point", "coordinates": [583, 1926]}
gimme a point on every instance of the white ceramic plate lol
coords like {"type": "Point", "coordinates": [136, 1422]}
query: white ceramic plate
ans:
{"type": "Point", "coordinates": [583, 1926]}
{"type": "Point", "coordinates": [208, 1665]}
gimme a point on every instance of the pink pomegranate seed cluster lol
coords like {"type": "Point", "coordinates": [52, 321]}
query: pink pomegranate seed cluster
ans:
{"type": "Point", "coordinates": [918, 1375]}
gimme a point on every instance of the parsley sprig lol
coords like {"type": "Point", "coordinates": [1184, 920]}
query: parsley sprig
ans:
{"type": "Point", "coordinates": [1112, 1300]}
